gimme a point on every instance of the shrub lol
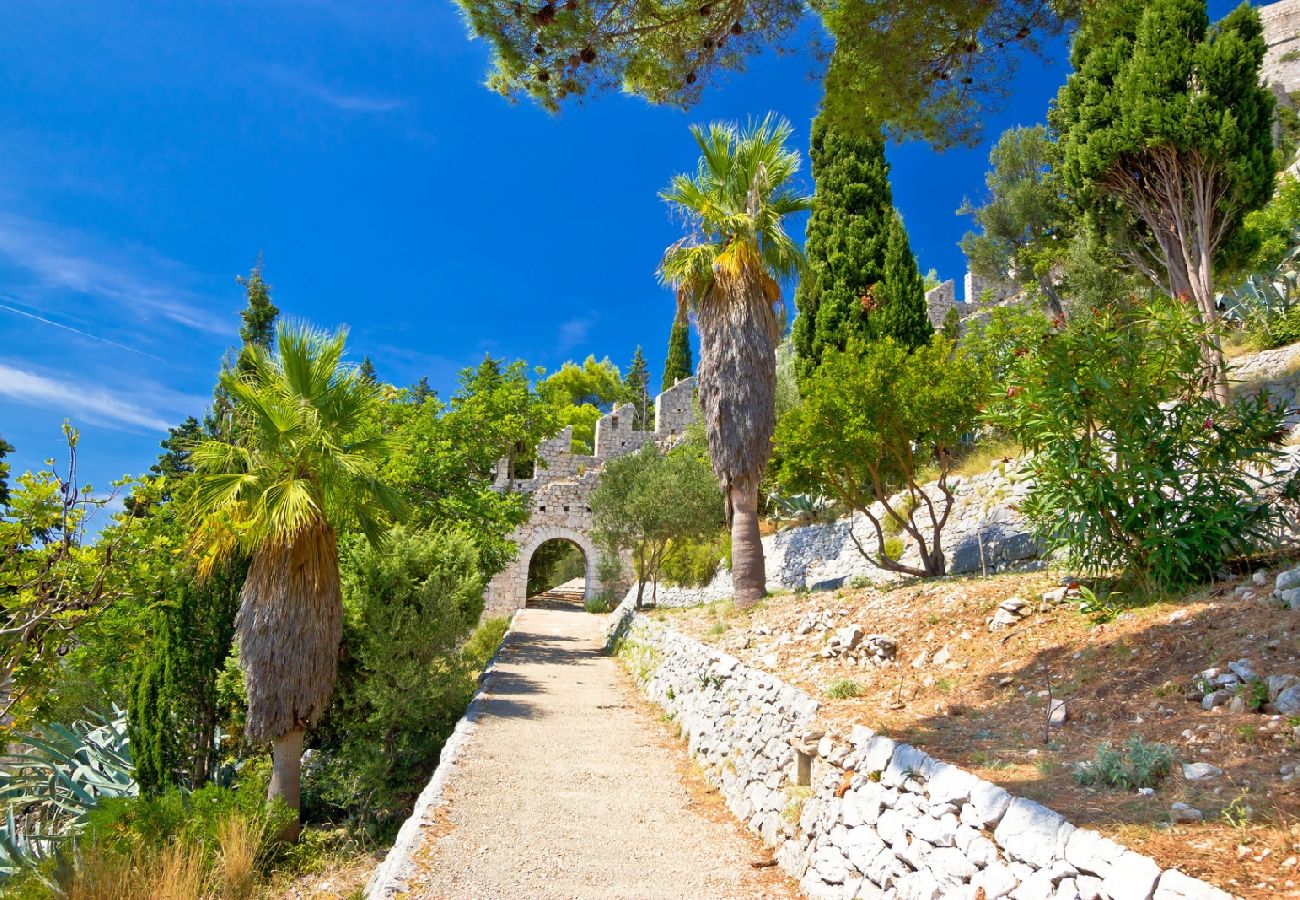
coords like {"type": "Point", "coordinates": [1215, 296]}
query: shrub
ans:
{"type": "Point", "coordinates": [1136, 765]}
{"type": "Point", "coordinates": [1134, 467]}
{"type": "Point", "coordinates": [876, 421]}
{"type": "Point", "coordinates": [412, 656]}
{"type": "Point", "coordinates": [692, 562]}
{"type": "Point", "coordinates": [893, 548]}
{"type": "Point", "coordinates": [843, 689]}
{"type": "Point", "coordinates": [601, 603]}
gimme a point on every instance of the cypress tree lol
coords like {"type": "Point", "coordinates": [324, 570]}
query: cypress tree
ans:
{"type": "Point", "coordinates": [862, 281]}
{"type": "Point", "coordinates": [367, 370]}
{"type": "Point", "coordinates": [259, 313]}
{"type": "Point", "coordinates": [679, 364]}
{"type": "Point", "coordinates": [5, 449]}
{"type": "Point", "coordinates": [636, 385]}
{"type": "Point", "coordinates": [900, 296]}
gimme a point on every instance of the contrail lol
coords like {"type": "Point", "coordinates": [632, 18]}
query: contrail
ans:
{"type": "Point", "coordinates": [84, 334]}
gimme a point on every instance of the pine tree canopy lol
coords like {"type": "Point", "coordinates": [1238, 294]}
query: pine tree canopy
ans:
{"type": "Point", "coordinates": [862, 281]}
{"type": "Point", "coordinates": [946, 62]}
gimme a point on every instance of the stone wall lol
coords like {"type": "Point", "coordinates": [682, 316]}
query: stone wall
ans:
{"type": "Point", "coordinates": [939, 300]}
{"type": "Point", "coordinates": [561, 486]}
{"type": "Point", "coordinates": [863, 816]}
{"type": "Point", "coordinates": [1281, 69]}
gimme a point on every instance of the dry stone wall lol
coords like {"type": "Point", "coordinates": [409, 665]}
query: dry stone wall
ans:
{"type": "Point", "coordinates": [861, 815]}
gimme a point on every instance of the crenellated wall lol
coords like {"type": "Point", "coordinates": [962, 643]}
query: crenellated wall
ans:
{"type": "Point", "coordinates": [562, 483]}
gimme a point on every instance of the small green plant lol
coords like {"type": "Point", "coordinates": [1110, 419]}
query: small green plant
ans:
{"type": "Point", "coordinates": [843, 689]}
{"type": "Point", "coordinates": [718, 628]}
{"type": "Point", "coordinates": [944, 685]}
{"type": "Point", "coordinates": [1135, 765]}
{"type": "Point", "coordinates": [601, 603]}
{"type": "Point", "coordinates": [798, 795]}
{"type": "Point", "coordinates": [859, 582]}
{"type": "Point", "coordinates": [1256, 694]}
{"type": "Point", "coordinates": [894, 548]}
{"type": "Point", "coordinates": [1238, 813]}
{"type": "Point", "coordinates": [1102, 609]}
{"type": "Point", "coordinates": [893, 527]}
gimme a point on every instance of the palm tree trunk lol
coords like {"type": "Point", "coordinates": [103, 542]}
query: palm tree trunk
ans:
{"type": "Point", "coordinates": [286, 780]}
{"type": "Point", "coordinates": [748, 573]}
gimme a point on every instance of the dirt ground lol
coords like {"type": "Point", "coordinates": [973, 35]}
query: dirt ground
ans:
{"type": "Point", "coordinates": [985, 707]}
{"type": "Point", "coordinates": [570, 788]}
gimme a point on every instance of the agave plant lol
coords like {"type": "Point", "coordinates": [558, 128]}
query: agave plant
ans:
{"type": "Point", "coordinates": [54, 779]}
{"type": "Point", "coordinates": [801, 509]}
{"type": "Point", "coordinates": [1268, 296]}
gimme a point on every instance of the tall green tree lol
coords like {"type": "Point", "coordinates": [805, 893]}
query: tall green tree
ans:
{"type": "Point", "coordinates": [581, 395]}
{"type": "Point", "coordinates": [259, 313]}
{"type": "Point", "coordinates": [1024, 220]}
{"type": "Point", "coordinates": [1165, 135]}
{"type": "Point", "coordinates": [679, 365]}
{"type": "Point", "coordinates": [296, 468]}
{"type": "Point", "coordinates": [647, 499]}
{"type": "Point", "coordinates": [636, 387]}
{"type": "Point", "coordinates": [5, 449]}
{"type": "Point", "coordinates": [862, 281]}
{"type": "Point", "coordinates": [730, 266]}
{"type": "Point", "coordinates": [948, 61]}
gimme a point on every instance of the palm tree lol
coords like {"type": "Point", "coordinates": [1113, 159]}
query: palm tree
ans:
{"type": "Point", "coordinates": [730, 268]}
{"type": "Point", "coordinates": [295, 468]}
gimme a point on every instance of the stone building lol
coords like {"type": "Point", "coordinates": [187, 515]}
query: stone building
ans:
{"type": "Point", "coordinates": [1281, 71]}
{"type": "Point", "coordinates": [561, 486]}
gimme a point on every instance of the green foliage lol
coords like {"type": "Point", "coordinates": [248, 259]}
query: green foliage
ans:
{"type": "Point", "coordinates": [1135, 765]}
{"type": "Point", "coordinates": [693, 561]}
{"type": "Point", "coordinates": [862, 281]}
{"type": "Point", "coordinates": [649, 498]}
{"type": "Point", "coordinates": [893, 548]}
{"type": "Point", "coordinates": [52, 584]}
{"type": "Point", "coordinates": [1165, 136]}
{"type": "Point", "coordinates": [679, 365]}
{"type": "Point", "coordinates": [54, 781]}
{"type": "Point", "coordinates": [1022, 222]}
{"type": "Point", "coordinates": [670, 51]}
{"type": "Point", "coordinates": [1271, 230]}
{"type": "Point", "coordinates": [843, 689]}
{"type": "Point", "coordinates": [581, 395]}
{"type": "Point", "coordinates": [410, 606]}
{"type": "Point", "coordinates": [444, 457]}
{"type": "Point", "coordinates": [554, 562]}
{"type": "Point", "coordinates": [259, 314]}
{"type": "Point", "coordinates": [1268, 304]}
{"type": "Point", "coordinates": [5, 449]}
{"type": "Point", "coordinates": [994, 342]}
{"type": "Point", "coordinates": [599, 604]}
{"type": "Point", "coordinates": [801, 509]}
{"type": "Point", "coordinates": [175, 710]}
{"type": "Point", "coordinates": [875, 420]}
{"type": "Point", "coordinates": [951, 325]}
{"type": "Point", "coordinates": [1134, 467]}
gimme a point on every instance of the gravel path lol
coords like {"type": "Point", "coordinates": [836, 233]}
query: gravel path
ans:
{"type": "Point", "coordinates": [569, 788]}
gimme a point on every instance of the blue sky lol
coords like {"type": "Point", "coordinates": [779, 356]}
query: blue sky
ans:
{"type": "Point", "coordinates": [149, 152]}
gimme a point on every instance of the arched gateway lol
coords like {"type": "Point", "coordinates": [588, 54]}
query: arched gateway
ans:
{"type": "Point", "coordinates": [561, 489]}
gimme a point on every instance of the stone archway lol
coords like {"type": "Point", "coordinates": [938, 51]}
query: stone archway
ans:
{"type": "Point", "coordinates": [561, 486]}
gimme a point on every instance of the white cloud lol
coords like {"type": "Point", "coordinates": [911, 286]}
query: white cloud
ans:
{"type": "Point", "coordinates": [347, 101]}
{"type": "Point", "coordinates": [61, 258]}
{"type": "Point", "coordinates": [571, 334]}
{"type": "Point", "coordinates": [71, 400]}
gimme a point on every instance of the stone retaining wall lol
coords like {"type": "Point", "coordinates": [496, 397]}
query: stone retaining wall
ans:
{"type": "Point", "coordinates": [872, 817]}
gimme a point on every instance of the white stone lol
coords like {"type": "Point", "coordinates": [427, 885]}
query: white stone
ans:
{"type": "Point", "coordinates": [1288, 702]}
{"type": "Point", "coordinates": [877, 753]}
{"type": "Point", "coordinates": [1132, 877]}
{"type": "Point", "coordinates": [1184, 813]}
{"type": "Point", "coordinates": [1200, 771]}
{"type": "Point", "coordinates": [863, 845]}
{"type": "Point", "coordinates": [1028, 832]}
{"type": "Point", "coordinates": [949, 865]}
{"type": "Point", "coordinates": [1174, 885]}
{"type": "Point", "coordinates": [996, 881]}
{"type": "Point", "coordinates": [830, 865]}
{"type": "Point", "coordinates": [949, 784]}
{"type": "Point", "coordinates": [1036, 887]}
{"type": "Point", "coordinates": [988, 803]}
